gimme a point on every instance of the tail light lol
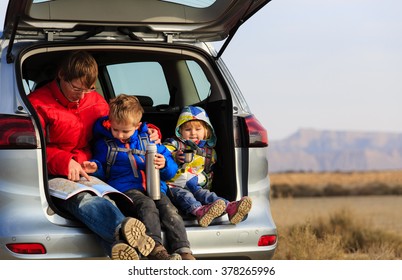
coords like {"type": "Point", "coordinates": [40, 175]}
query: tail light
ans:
{"type": "Point", "coordinates": [17, 132]}
{"type": "Point", "coordinates": [267, 240]}
{"type": "Point", "coordinates": [258, 136]}
{"type": "Point", "coordinates": [250, 132]}
{"type": "Point", "coordinates": [27, 248]}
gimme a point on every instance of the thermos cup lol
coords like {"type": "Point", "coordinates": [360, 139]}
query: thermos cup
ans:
{"type": "Point", "coordinates": [188, 155]}
{"type": "Point", "coordinates": [152, 174]}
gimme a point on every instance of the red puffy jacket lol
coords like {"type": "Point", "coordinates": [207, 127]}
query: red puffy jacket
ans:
{"type": "Point", "coordinates": [67, 125]}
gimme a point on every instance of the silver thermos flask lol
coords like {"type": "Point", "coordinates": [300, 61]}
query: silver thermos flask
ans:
{"type": "Point", "coordinates": [152, 174]}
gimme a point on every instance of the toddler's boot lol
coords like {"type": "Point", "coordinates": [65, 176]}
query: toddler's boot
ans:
{"type": "Point", "coordinates": [237, 210]}
{"type": "Point", "coordinates": [206, 213]}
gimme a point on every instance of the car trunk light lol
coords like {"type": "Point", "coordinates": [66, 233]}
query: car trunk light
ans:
{"type": "Point", "coordinates": [267, 240]}
{"type": "Point", "coordinates": [27, 248]}
{"type": "Point", "coordinates": [17, 132]}
{"type": "Point", "coordinates": [258, 136]}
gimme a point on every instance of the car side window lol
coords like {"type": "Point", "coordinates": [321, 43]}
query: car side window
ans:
{"type": "Point", "coordinates": [140, 78]}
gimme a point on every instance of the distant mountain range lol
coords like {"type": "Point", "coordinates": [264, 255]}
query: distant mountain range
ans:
{"type": "Point", "coordinates": [323, 150]}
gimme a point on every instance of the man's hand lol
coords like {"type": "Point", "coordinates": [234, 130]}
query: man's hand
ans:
{"type": "Point", "coordinates": [75, 171]}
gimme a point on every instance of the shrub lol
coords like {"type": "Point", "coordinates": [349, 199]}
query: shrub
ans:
{"type": "Point", "coordinates": [341, 236]}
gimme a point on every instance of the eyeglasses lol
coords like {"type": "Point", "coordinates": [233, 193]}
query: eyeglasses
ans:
{"type": "Point", "coordinates": [79, 90]}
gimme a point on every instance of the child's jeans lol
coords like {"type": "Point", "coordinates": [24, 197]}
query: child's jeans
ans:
{"type": "Point", "coordinates": [156, 214]}
{"type": "Point", "coordinates": [187, 201]}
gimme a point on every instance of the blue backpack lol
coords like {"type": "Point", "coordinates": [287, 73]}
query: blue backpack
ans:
{"type": "Point", "coordinates": [113, 149]}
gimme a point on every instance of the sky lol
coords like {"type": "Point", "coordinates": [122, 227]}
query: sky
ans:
{"type": "Point", "coordinates": [326, 65]}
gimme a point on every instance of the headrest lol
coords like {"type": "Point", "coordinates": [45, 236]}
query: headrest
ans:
{"type": "Point", "coordinates": [145, 101]}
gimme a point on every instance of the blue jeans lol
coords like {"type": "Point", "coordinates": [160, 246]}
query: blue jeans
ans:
{"type": "Point", "coordinates": [187, 201]}
{"type": "Point", "coordinates": [99, 214]}
{"type": "Point", "coordinates": [156, 214]}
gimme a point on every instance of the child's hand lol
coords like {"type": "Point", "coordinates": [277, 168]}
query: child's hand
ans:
{"type": "Point", "coordinates": [159, 161]}
{"type": "Point", "coordinates": [180, 156]}
{"type": "Point", "coordinates": [154, 135]}
{"type": "Point", "coordinates": [89, 166]}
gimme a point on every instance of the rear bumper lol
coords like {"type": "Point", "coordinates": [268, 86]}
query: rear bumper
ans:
{"type": "Point", "coordinates": [226, 241]}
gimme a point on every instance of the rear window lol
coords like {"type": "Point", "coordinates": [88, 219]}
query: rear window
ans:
{"type": "Point", "coordinates": [161, 82]}
{"type": "Point", "coordinates": [140, 78]}
{"type": "Point", "coordinates": [149, 79]}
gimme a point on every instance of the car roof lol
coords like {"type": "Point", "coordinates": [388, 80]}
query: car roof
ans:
{"type": "Point", "coordinates": [143, 20]}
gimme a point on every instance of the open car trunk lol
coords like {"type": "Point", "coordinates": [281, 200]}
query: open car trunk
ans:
{"type": "Point", "coordinates": [165, 80]}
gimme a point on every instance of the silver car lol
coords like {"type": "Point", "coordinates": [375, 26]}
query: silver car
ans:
{"type": "Point", "coordinates": [159, 50]}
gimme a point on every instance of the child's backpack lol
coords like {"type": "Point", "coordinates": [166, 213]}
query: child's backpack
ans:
{"type": "Point", "coordinates": [113, 149]}
{"type": "Point", "coordinates": [204, 152]}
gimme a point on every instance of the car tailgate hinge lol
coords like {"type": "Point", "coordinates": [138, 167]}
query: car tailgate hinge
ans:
{"type": "Point", "coordinates": [170, 36]}
{"type": "Point", "coordinates": [50, 34]}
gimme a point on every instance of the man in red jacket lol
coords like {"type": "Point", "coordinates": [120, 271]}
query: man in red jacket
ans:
{"type": "Point", "coordinates": [68, 108]}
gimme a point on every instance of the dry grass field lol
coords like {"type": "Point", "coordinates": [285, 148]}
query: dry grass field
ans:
{"type": "Point", "coordinates": [346, 179]}
{"type": "Point", "coordinates": [361, 218]}
{"type": "Point", "coordinates": [378, 212]}
{"type": "Point", "coordinates": [308, 184]}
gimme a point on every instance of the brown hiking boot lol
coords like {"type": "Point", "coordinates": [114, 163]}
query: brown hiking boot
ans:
{"type": "Point", "coordinates": [133, 231]}
{"type": "Point", "coordinates": [187, 256]}
{"type": "Point", "coordinates": [160, 253]}
{"type": "Point", "coordinates": [237, 210]}
{"type": "Point", "coordinates": [206, 213]}
{"type": "Point", "coordinates": [123, 251]}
